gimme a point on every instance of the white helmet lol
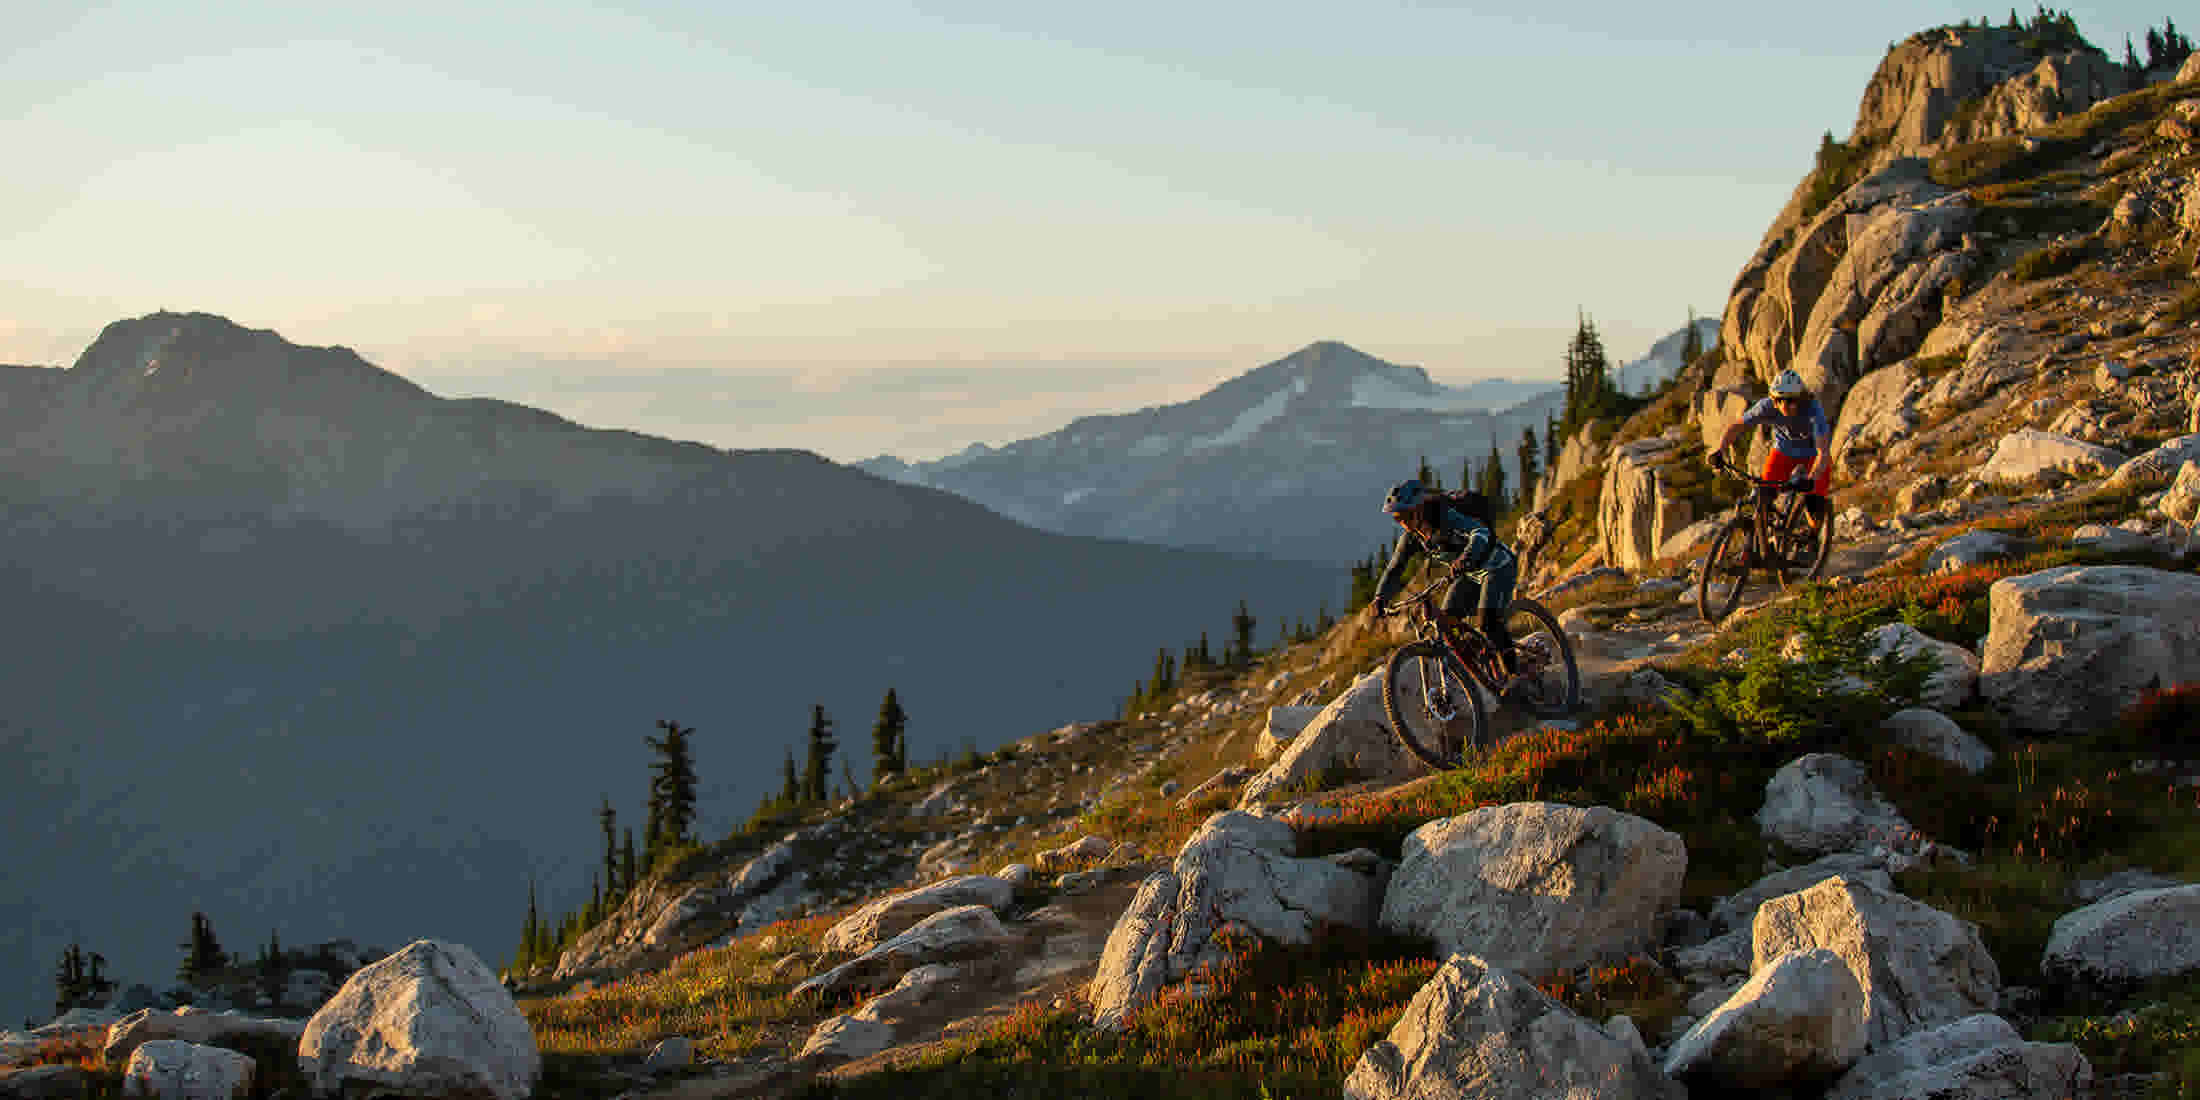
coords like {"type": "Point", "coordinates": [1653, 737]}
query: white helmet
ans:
{"type": "Point", "coordinates": [1789, 384]}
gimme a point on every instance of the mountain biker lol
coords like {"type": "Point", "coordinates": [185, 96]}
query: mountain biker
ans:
{"type": "Point", "coordinates": [1800, 437]}
{"type": "Point", "coordinates": [1489, 567]}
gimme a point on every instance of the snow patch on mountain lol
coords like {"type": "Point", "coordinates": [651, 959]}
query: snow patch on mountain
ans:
{"type": "Point", "coordinates": [1251, 420]}
{"type": "Point", "coordinates": [1383, 391]}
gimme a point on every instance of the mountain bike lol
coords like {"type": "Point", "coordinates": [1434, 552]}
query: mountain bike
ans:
{"type": "Point", "coordinates": [1429, 683]}
{"type": "Point", "coordinates": [1787, 548]}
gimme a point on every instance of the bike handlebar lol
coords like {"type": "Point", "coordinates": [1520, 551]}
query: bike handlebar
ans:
{"type": "Point", "coordinates": [1721, 463]}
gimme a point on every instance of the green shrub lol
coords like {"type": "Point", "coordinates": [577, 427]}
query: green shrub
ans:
{"type": "Point", "coordinates": [1837, 168]}
{"type": "Point", "coordinates": [1834, 686]}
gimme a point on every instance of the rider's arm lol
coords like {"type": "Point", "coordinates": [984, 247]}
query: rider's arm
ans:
{"type": "Point", "coordinates": [1822, 434]}
{"type": "Point", "coordinates": [1394, 574]}
{"type": "Point", "coordinates": [1749, 419]}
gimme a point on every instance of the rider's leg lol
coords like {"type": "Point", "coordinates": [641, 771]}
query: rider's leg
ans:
{"type": "Point", "coordinates": [1497, 595]}
{"type": "Point", "coordinates": [1465, 595]}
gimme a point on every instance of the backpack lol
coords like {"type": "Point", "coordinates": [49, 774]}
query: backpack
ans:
{"type": "Point", "coordinates": [1472, 503]}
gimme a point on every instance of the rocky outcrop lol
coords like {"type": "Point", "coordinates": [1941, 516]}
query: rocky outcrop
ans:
{"type": "Point", "coordinates": [2158, 466]}
{"type": "Point", "coordinates": [204, 1028]}
{"type": "Point", "coordinates": [1635, 515]}
{"type": "Point", "coordinates": [2128, 939]}
{"type": "Point", "coordinates": [663, 919]}
{"type": "Point", "coordinates": [1855, 289]}
{"type": "Point", "coordinates": [967, 934]}
{"type": "Point", "coordinates": [1826, 803]}
{"type": "Point", "coordinates": [1799, 1021]}
{"type": "Point", "coordinates": [1919, 967]}
{"type": "Point", "coordinates": [1536, 886]}
{"type": "Point", "coordinates": [428, 1020]}
{"type": "Point", "coordinates": [1351, 736]}
{"type": "Point", "coordinates": [884, 918]}
{"type": "Point", "coordinates": [1975, 1058]}
{"type": "Point", "coordinates": [1477, 1029]}
{"type": "Point", "coordinates": [171, 1069]}
{"type": "Point", "coordinates": [1881, 409]}
{"type": "Point", "coordinates": [2068, 648]}
{"type": "Point", "coordinates": [1956, 84]}
{"type": "Point", "coordinates": [873, 1028]}
{"type": "Point", "coordinates": [1237, 876]}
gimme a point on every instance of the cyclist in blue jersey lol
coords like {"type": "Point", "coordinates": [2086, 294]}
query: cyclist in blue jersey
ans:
{"type": "Point", "coordinates": [1490, 569]}
{"type": "Point", "coordinates": [1801, 437]}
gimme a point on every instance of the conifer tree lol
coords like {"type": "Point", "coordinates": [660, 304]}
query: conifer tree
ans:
{"type": "Point", "coordinates": [1493, 481]}
{"type": "Point", "coordinates": [530, 934]}
{"type": "Point", "coordinates": [594, 912]}
{"type": "Point", "coordinates": [1691, 340]}
{"type": "Point", "coordinates": [817, 769]}
{"type": "Point", "coordinates": [1424, 474]}
{"type": "Point", "coordinates": [1243, 622]}
{"type": "Point", "coordinates": [629, 867]}
{"type": "Point", "coordinates": [1526, 453]}
{"type": "Point", "coordinates": [202, 953]}
{"type": "Point", "coordinates": [672, 787]}
{"type": "Point", "coordinates": [889, 753]}
{"type": "Point", "coordinates": [610, 821]}
{"type": "Point", "coordinates": [1551, 441]}
{"type": "Point", "coordinates": [70, 982]}
{"type": "Point", "coordinates": [1322, 621]}
{"type": "Point", "coordinates": [790, 787]}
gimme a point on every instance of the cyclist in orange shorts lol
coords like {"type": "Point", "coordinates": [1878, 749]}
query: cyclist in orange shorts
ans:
{"type": "Point", "coordinates": [1801, 437]}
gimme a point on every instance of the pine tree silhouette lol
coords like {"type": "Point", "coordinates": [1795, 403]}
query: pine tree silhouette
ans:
{"type": "Point", "coordinates": [672, 788]}
{"type": "Point", "coordinates": [202, 952]}
{"type": "Point", "coordinates": [889, 753]}
{"type": "Point", "coordinates": [817, 770]}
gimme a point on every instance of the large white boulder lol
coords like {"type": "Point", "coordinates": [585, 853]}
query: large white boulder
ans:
{"type": "Point", "coordinates": [1799, 1021]}
{"type": "Point", "coordinates": [1238, 872]}
{"type": "Point", "coordinates": [2128, 939]}
{"type": "Point", "coordinates": [429, 1019]}
{"type": "Point", "coordinates": [1957, 676]}
{"type": "Point", "coordinates": [1537, 887]}
{"type": "Point", "coordinates": [1350, 735]}
{"type": "Point", "coordinates": [1935, 734]}
{"type": "Point", "coordinates": [149, 1025]}
{"type": "Point", "coordinates": [1975, 1058]}
{"type": "Point", "coordinates": [171, 1069]}
{"type": "Point", "coordinates": [2028, 452]}
{"type": "Point", "coordinates": [1969, 549]}
{"type": "Point", "coordinates": [1919, 967]}
{"type": "Point", "coordinates": [1739, 909]}
{"type": "Point", "coordinates": [2068, 648]}
{"type": "Point", "coordinates": [1284, 725]}
{"type": "Point", "coordinates": [1479, 1030]}
{"type": "Point", "coordinates": [1824, 802]}
{"type": "Point", "coordinates": [872, 1028]}
{"type": "Point", "coordinates": [884, 918]}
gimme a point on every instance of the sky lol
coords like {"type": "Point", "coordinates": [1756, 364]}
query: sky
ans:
{"type": "Point", "coordinates": [866, 227]}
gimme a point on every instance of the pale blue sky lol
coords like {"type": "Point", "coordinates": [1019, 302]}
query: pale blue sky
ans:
{"type": "Point", "coordinates": [722, 221]}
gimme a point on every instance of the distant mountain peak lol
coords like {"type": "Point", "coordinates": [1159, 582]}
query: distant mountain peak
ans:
{"type": "Point", "coordinates": [210, 357]}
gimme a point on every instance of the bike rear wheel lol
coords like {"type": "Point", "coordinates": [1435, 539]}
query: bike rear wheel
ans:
{"type": "Point", "coordinates": [1801, 551]}
{"type": "Point", "coordinates": [1550, 681]}
{"type": "Point", "coordinates": [1430, 700]}
{"type": "Point", "coordinates": [1725, 573]}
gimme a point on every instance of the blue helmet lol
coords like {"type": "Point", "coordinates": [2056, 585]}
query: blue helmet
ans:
{"type": "Point", "coordinates": [1403, 496]}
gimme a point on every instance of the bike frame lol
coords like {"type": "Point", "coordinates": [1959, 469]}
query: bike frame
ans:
{"type": "Point", "coordinates": [1781, 514]}
{"type": "Point", "coordinates": [1462, 638]}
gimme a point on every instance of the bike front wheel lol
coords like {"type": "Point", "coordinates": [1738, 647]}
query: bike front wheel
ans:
{"type": "Point", "coordinates": [1430, 700]}
{"type": "Point", "coordinates": [1725, 573]}
{"type": "Point", "coordinates": [1549, 682]}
